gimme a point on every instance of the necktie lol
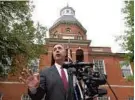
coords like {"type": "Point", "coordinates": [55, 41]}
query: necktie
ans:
{"type": "Point", "coordinates": [64, 79]}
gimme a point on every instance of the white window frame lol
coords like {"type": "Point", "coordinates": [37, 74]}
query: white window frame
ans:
{"type": "Point", "coordinates": [22, 98]}
{"type": "Point", "coordinates": [103, 65]}
{"type": "Point", "coordinates": [126, 66]}
{"type": "Point", "coordinates": [103, 98]}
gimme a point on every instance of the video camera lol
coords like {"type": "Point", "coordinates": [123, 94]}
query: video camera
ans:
{"type": "Point", "coordinates": [84, 72]}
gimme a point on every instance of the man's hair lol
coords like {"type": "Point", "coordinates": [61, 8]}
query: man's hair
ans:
{"type": "Point", "coordinates": [52, 59]}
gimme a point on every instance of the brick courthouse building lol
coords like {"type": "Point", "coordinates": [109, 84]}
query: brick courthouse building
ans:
{"type": "Point", "coordinates": [69, 31]}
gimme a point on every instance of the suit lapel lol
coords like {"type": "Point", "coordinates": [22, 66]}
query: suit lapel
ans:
{"type": "Point", "coordinates": [70, 76]}
{"type": "Point", "coordinates": [58, 78]}
{"type": "Point", "coordinates": [70, 83]}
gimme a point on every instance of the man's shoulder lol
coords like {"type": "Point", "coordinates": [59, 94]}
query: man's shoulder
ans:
{"type": "Point", "coordinates": [47, 69]}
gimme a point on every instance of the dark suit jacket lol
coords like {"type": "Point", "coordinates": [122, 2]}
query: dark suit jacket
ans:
{"type": "Point", "coordinates": [52, 87]}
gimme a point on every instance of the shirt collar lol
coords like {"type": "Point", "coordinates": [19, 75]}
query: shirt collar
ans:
{"type": "Point", "coordinates": [58, 66]}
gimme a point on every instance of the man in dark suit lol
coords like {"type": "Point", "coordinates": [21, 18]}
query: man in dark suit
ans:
{"type": "Point", "coordinates": [54, 82]}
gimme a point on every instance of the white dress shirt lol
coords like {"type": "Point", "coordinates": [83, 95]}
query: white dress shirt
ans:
{"type": "Point", "coordinates": [59, 70]}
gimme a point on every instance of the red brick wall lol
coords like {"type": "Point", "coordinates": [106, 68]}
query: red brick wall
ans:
{"type": "Point", "coordinates": [44, 61]}
{"type": "Point", "coordinates": [12, 91]}
{"type": "Point", "coordinates": [122, 93]}
{"type": "Point", "coordinates": [62, 29]}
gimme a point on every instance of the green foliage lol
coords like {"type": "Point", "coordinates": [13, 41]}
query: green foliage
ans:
{"type": "Point", "coordinates": [124, 63]}
{"type": "Point", "coordinates": [130, 78]}
{"type": "Point", "coordinates": [128, 38]}
{"type": "Point", "coordinates": [18, 34]}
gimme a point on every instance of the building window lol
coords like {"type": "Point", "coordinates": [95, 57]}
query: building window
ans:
{"type": "Point", "coordinates": [126, 69]}
{"type": "Point", "coordinates": [55, 34]}
{"type": "Point", "coordinates": [68, 29]}
{"type": "Point", "coordinates": [25, 97]}
{"type": "Point", "coordinates": [79, 55]}
{"type": "Point", "coordinates": [103, 98]}
{"type": "Point", "coordinates": [80, 37]}
{"type": "Point", "coordinates": [130, 98]}
{"type": "Point", "coordinates": [99, 66]}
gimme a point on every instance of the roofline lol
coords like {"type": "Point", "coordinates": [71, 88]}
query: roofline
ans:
{"type": "Point", "coordinates": [99, 47]}
{"type": "Point", "coordinates": [72, 41]}
{"type": "Point", "coordinates": [107, 54]}
{"type": "Point", "coordinates": [66, 22]}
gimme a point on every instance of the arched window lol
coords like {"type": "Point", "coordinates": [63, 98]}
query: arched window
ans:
{"type": "Point", "coordinates": [68, 29]}
{"type": "Point", "coordinates": [55, 34]}
{"type": "Point", "coordinates": [25, 97]}
{"type": "Point", "coordinates": [79, 37]}
{"type": "Point", "coordinates": [79, 55]}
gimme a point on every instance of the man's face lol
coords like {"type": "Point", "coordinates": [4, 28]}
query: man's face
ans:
{"type": "Point", "coordinates": [59, 53]}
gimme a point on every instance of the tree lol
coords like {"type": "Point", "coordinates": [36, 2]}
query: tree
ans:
{"type": "Point", "coordinates": [128, 38]}
{"type": "Point", "coordinates": [18, 34]}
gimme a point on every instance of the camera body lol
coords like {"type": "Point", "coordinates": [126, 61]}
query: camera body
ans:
{"type": "Point", "coordinates": [92, 79]}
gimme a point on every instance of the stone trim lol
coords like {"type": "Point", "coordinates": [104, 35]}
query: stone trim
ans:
{"type": "Point", "coordinates": [106, 54]}
{"type": "Point", "coordinates": [56, 40]}
{"type": "Point", "coordinates": [72, 52]}
{"type": "Point", "coordinates": [120, 86]}
{"type": "Point", "coordinates": [6, 82]}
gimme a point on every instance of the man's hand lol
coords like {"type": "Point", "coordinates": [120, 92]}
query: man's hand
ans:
{"type": "Point", "coordinates": [30, 79]}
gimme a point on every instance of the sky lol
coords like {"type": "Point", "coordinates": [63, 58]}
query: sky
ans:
{"type": "Point", "coordinates": [102, 19]}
